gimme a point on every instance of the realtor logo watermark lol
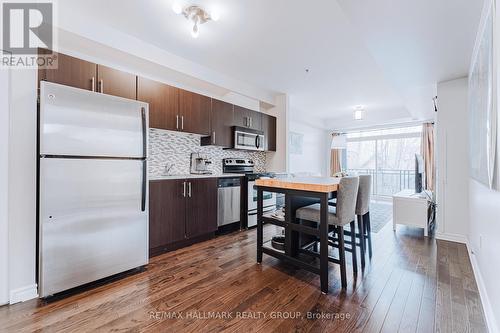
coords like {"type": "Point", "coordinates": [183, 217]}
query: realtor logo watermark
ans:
{"type": "Point", "coordinates": [27, 27]}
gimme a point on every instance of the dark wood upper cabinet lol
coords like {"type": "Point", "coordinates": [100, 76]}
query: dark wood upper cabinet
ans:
{"type": "Point", "coordinates": [117, 83]}
{"type": "Point", "coordinates": [269, 128]}
{"type": "Point", "coordinates": [166, 213]}
{"type": "Point", "coordinates": [72, 72]}
{"type": "Point", "coordinates": [163, 103]}
{"type": "Point", "coordinates": [201, 207]}
{"type": "Point", "coordinates": [194, 112]}
{"type": "Point", "coordinates": [222, 119]}
{"type": "Point", "coordinates": [170, 108]}
{"type": "Point", "coordinates": [244, 117]}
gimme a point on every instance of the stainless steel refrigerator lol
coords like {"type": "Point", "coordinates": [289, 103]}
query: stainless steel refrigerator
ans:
{"type": "Point", "coordinates": [93, 186]}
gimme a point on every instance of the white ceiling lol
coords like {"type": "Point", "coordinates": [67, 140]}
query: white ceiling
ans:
{"type": "Point", "coordinates": [384, 54]}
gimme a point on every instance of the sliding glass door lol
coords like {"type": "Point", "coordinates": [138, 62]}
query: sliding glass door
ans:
{"type": "Point", "coordinates": [388, 155]}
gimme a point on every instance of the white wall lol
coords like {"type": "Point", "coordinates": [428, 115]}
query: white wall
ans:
{"type": "Point", "coordinates": [4, 198]}
{"type": "Point", "coordinates": [452, 160]}
{"type": "Point", "coordinates": [278, 161]}
{"type": "Point", "coordinates": [484, 241]}
{"type": "Point", "coordinates": [315, 153]}
{"type": "Point", "coordinates": [22, 185]}
{"type": "Point", "coordinates": [468, 211]}
{"type": "Point", "coordinates": [484, 222]}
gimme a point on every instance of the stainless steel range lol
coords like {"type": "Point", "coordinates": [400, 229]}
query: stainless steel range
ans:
{"type": "Point", "coordinates": [246, 166]}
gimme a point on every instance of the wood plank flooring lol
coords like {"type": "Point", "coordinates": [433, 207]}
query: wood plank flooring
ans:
{"type": "Point", "coordinates": [412, 284]}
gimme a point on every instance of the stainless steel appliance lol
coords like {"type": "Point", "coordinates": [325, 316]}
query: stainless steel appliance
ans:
{"type": "Point", "coordinates": [269, 199]}
{"type": "Point", "coordinates": [245, 166]}
{"type": "Point", "coordinates": [229, 201]}
{"type": "Point", "coordinates": [93, 187]}
{"type": "Point", "coordinates": [199, 164]}
{"type": "Point", "coordinates": [248, 139]}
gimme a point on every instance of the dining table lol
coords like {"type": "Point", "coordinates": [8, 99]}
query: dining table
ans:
{"type": "Point", "coordinates": [299, 192]}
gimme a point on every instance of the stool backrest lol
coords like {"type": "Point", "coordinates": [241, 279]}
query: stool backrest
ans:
{"type": "Point", "coordinates": [364, 194]}
{"type": "Point", "coordinates": [346, 199]}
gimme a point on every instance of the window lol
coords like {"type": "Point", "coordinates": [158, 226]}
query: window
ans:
{"type": "Point", "coordinates": [388, 155]}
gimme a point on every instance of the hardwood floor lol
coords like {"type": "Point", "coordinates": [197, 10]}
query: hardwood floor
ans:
{"type": "Point", "coordinates": [412, 284]}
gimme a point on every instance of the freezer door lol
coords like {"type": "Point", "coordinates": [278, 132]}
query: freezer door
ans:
{"type": "Point", "coordinates": [93, 221]}
{"type": "Point", "coordinates": [77, 122]}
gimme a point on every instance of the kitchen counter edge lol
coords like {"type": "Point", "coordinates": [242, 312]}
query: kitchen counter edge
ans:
{"type": "Point", "coordinates": [224, 175]}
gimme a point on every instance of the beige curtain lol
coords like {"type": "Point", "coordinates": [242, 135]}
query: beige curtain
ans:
{"type": "Point", "coordinates": [335, 160]}
{"type": "Point", "coordinates": [427, 149]}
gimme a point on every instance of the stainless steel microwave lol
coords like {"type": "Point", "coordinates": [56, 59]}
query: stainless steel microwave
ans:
{"type": "Point", "coordinates": [248, 139]}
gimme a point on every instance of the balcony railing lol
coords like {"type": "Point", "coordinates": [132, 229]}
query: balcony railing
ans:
{"type": "Point", "coordinates": [386, 182]}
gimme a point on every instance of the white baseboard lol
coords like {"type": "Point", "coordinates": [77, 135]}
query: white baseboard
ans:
{"type": "Point", "coordinates": [23, 294]}
{"type": "Point", "coordinates": [451, 237]}
{"type": "Point", "coordinates": [485, 300]}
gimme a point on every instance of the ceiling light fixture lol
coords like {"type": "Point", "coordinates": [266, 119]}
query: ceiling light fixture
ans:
{"type": "Point", "coordinates": [359, 112]}
{"type": "Point", "coordinates": [195, 15]}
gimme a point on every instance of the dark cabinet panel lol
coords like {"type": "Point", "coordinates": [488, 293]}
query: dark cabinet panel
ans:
{"type": "Point", "coordinates": [167, 213]}
{"type": "Point", "coordinates": [201, 207]}
{"type": "Point", "coordinates": [181, 211]}
{"type": "Point", "coordinates": [222, 119]}
{"type": "Point", "coordinates": [117, 83]}
{"type": "Point", "coordinates": [72, 72]}
{"type": "Point", "coordinates": [247, 118]}
{"type": "Point", "coordinates": [269, 128]}
{"type": "Point", "coordinates": [163, 103]}
{"type": "Point", "coordinates": [194, 112]}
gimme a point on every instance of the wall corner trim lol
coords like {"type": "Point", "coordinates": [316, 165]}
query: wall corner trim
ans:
{"type": "Point", "coordinates": [23, 294]}
{"type": "Point", "coordinates": [485, 301]}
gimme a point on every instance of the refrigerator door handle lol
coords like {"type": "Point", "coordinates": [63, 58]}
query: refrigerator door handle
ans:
{"type": "Point", "coordinates": [144, 185]}
{"type": "Point", "coordinates": [144, 133]}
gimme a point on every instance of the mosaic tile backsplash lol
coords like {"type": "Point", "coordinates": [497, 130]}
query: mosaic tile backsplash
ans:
{"type": "Point", "coordinates": [175, 148]}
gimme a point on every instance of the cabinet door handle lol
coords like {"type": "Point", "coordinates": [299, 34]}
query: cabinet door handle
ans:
{"type": "Point", "coordinates": [177, 122]}
{"type": "Point", "coordinates": [184, 189]}
{"type": "Point", "coordinates": [182, 122]}
{"type": "Point", "coordinates": [213, 137]}
{"type": "Point", "coordinates": [189, 189]}
{"type": "Point", "coordinates": [251, 121]}
{"type": "Point", "coordinates": [92, 83]}
{"type": "Point", "coordinates": [101, 86]}
{"type": "Point", "coordinates": [246, 121]}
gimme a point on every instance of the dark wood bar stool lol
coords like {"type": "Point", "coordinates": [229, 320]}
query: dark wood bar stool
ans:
{"type": "Point", "coordinates": [338, 216]}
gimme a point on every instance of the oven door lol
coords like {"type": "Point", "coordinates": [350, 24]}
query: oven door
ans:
{"type": "Point", "coordinates": [269, 197]}
{"type": "Point", "coordinates": [252, 215]}
{"type": "Point", "coordinates": [248, 141]}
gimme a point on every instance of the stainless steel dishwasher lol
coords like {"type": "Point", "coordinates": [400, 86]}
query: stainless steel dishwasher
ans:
{"type": "Point", "coordinates": [229, 197]}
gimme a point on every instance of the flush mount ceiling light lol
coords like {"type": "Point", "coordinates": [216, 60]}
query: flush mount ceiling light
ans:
{"type": "Point", "coordinates": [359, 112]}
{"type": "Point", "coordinates": [195, 15]}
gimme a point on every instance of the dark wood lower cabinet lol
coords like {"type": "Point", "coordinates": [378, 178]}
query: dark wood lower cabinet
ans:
{"type": "Point", "coordinates": [201, 207]}
{"type": "Point", "coordinates": [167, 213]}
{"type": "Point", "coordinates": [181, 212]}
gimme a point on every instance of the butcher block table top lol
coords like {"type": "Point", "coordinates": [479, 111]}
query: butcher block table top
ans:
{"type": "Point", "coordinates": [313, 184]}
